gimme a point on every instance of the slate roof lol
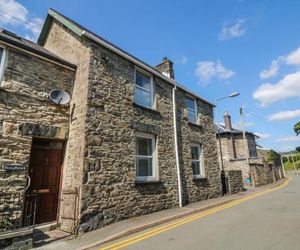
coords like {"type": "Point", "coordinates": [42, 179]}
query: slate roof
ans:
{"type": "Point", "coordinates": [20, 42]}
{"type": "Point", "coordinates": [223, 130]}
{"type": "Point", "coordinates": [83, 31]}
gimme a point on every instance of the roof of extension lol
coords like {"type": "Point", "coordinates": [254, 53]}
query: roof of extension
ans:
{"type": "Point", "coordinates": [10, 38]}
{"type": "Point", "coordinates": [223, 130]}
{"type": "Point", "coordinates": [82, 31]}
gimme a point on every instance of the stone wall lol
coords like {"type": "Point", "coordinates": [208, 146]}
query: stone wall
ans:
{"type": "Point", "coordinates": [234, 180]}
{"type": "Point", "coordinates": [27, 112]}
{"type": "Point", "coordinates": [109, 191]}
{"type": "Point", "coordinates": [261, 174]}
{"type": "Point", "coordinates": [64, 43]}
{"type": "Point", "coordinates": [203, 134]}
{"type": "Point", "coordinates": [24, 107]}
{"type": "Point", "coordinates": [239, 162]}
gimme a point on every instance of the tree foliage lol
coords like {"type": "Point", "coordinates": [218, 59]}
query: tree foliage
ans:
{"type": "Point", "coordinates": [271, 156]}
{"type": "Point", "coordinates": [298, 149]}
{"type": "Point", "coordinates": [297, 128]}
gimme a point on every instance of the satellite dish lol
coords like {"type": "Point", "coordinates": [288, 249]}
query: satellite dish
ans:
{"type": "Point", "coordinates": [59, 96]}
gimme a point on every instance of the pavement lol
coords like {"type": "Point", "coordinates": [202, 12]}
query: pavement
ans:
{"type": "Point", "coordinates": [130, 227]}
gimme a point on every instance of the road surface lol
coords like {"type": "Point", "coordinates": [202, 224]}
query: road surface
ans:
{"type": "Point", "coordinates": [269, 221]}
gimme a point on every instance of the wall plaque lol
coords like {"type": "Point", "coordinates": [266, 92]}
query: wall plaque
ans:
{"type": "Point", "coordinates": [8, 167]}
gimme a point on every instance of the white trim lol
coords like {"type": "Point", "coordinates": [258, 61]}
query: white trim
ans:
{"type": "Point", "coordinates": [2, 63]}
{"type": "Point", "coordinates": [200, 160]}
{"type": "Point", "coordinates": [151, 91]}
{"type": "Point", "coordinates": [155, 171]}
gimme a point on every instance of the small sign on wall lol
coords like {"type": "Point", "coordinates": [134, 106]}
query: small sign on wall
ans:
{"type": "Point", "coordinates": [8, 167]}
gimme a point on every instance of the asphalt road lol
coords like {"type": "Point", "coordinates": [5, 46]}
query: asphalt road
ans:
{"type": "Point", "coordinates": [270, 221]}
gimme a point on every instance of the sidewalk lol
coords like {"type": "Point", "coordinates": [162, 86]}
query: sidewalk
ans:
{"type": "Point", "coordinates": [137, 224]}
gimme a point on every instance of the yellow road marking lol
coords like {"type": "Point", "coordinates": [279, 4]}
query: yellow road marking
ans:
{"type": "Point", "coordinates": [187, 219]}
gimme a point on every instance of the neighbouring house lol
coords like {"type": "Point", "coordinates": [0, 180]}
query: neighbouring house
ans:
{"type": "Point", "coordinates": [33, 130]}
{"type": "Point", "coordinates": [239, 152]}
{"type": "Point", "coordinates": [131, 141]}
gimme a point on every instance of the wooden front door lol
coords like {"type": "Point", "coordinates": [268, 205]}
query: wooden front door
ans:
{"type": "Point", "coordinates": [45, 174]}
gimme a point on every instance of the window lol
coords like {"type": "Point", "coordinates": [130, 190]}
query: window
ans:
{"type": "Point", "coordinates": [2, 61]}
{"type": "Point", "coordinates": [192, 110]}
{"type": "Point", "coordinates": [145, 157]}
{"type": "Point", "coordinates": [196, 152]}
{"type": "Point", "coordinates": [143, 89]}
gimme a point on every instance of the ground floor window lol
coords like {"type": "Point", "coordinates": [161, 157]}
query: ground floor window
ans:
{"type": "Point", "coordinates": [197, 160]}
{"type": "Point", "coordinates": [145, 157]}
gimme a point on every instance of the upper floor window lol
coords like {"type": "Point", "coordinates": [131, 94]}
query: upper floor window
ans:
{"type": "Point", "coordinates": [197, 160]}
{"type": "Point", "coordinates": [145, 157]}
{"type": "Point", "coordinates": [2, 61]}
{"type": "Point", "coordinates": [192, 109]}
{"type": "Point", "coordinates": [143, 89]}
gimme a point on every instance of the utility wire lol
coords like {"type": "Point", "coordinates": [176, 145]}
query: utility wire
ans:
{"type": "Point", "coordinates": [19, 19]}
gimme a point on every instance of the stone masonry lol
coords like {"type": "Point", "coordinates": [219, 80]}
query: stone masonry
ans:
{"type": "Point", "coordinates": [100, 156]}
{"type": "Point", "coordinates": [26, 113]}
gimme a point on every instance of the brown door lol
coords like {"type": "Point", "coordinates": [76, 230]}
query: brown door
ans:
{"type": "Point", "coordinates": [45, 173]}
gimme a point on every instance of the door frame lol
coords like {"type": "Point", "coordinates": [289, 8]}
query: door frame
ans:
{"type": "Point", "coordinates": [63, 150]}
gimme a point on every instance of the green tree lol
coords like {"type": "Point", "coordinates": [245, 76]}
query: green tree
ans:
{"type": "Point", "coordinates": [297, 128]}
{"type": "Point", "coordinates": [298, 149]}
{"type": "Point", "coordinates": [271, 156]}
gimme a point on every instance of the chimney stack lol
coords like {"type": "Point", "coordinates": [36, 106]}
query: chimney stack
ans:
{"type": "Point", "coordinates": [227, 121]}
{"type": "Point", "coordinates": [166, 68]}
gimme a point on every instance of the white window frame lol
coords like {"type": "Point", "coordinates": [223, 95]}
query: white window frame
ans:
{"type": "Point", "coordinates": [154, 176]}
{"type": "Point", "coordinates": [195, 109]}
{"type": "Point", "coordinates": [2, 63]}
{"type": "Point", "coordinates": [200, 160]}
{"type": "Point", "coordinates": [151, 91]}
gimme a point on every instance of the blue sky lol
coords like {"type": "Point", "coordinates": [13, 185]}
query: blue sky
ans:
{"type": "Point", "coordinates": [217, 46]}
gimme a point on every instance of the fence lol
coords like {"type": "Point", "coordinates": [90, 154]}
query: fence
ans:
{"type": "Point", "coordinates": [17, 210]}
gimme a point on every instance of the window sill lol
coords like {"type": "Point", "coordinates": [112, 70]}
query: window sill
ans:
{"type": "Point", "coordinates": [199, 178]}
{"type": "Point", "coordinates": [195, 125]}
{"type": "Point", "coordinates": [146, 108]}
{"type": "Point", "coordinates": [140, 182]}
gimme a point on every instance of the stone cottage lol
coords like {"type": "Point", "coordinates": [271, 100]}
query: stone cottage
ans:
{"type": "Point", "coordinates": [134, 141]}
{"type": "Point", "coordinates": [33, 129]}
{"type": "Point", "coordinates": [242, 154]}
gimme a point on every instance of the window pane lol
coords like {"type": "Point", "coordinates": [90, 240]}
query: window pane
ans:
{"type": "Point", "coordinates": [143, 97]}
{"type": "Point", "coordinates": [196, 168]}
{"type": "Point", "coordinates": [192, 116]}
{"type": "Point", "coordinates": [195, 153]}
{"type": "Point", "coordinates": [144, 146]}
{"type": "Point", "coordinates": [143, 80]}
{"type": "Point", "coordinates": [190, 103]}
{"type": "Point", "coordinates": [144, 167]}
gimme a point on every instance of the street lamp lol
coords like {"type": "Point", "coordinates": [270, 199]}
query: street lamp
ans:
{"type": "Point", "coordinates": [233, 94]}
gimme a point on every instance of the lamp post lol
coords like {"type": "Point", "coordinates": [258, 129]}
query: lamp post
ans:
{"type": "Point", "coordinates": [231, 95]}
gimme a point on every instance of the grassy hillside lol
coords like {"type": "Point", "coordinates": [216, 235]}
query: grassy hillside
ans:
{"type": "Point", "coordinates": [288, 165]}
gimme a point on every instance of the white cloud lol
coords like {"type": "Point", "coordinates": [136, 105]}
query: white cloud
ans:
{"type": "Point", "coordinates": [263, 135]}
{"type": "Point", "coordinates": [292, 58]}
{"type": "Point", "coordinates": [288, 87]}
{"type": "Point", "coordinates": [232, 29]}
{"type": "Point", "coordinates": [182, 60]}
{"type": "Point", "coordinates": [206, 70]}
{"type": "Point", "coordinates": [273, 70]}
{"type": "Point", "coordinates": [289, 139]}
{"type": "Point", "coordinates": [14, 14]}
{"type": "Point", "coordinates": [285, 115]}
